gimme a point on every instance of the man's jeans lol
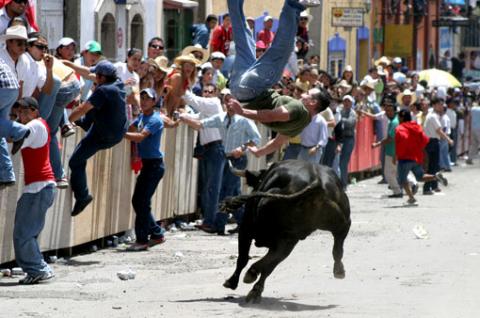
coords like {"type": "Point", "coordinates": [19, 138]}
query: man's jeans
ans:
{"type": "Point", "coordinates": [87, 147]}
{"type": "Point", "coordinates": [433, 153]}
{"type": "Point", "coordinates": [328, 156]}
{"type": "Point", "coordinates": [250, 77]}
{"type": "Point", "coordinates": [145, 187]}
{"type": "Point", "coordinates": [211, 170]}
{"type": "Point", "coordinates": [65, 96]}
{"type": "Point", "coordinates": [348, 143]}
{"type": "Point", "coordinates": [8, 129]}
{"type": "Point", "coordinates": [305, 155]}
{"type": "Point", "coordinates": [292, 151]}
{"type": "Point", "coordinates": [444, 155]}
{"type": "Point", "coordinates": [230, 188]}
{"type": "Point", "coordinates": [29, 222]}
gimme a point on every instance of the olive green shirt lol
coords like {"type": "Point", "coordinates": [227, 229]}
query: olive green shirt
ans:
{"type": "Point", "coordinates": [298, 114]}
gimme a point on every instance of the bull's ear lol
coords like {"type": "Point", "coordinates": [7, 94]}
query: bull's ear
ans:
{"type": "Point", "coordinates": [254, 178]}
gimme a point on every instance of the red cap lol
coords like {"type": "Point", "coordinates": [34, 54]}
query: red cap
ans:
{"type": "Point", "coordinates": [261, 45]}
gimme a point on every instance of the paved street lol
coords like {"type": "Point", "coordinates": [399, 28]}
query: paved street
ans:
{"type": "Point", "coordinates": [390, 273]}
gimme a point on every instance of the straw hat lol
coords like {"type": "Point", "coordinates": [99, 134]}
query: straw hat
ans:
{"type": "Point", "coordinates": [380, 70]}
{"type": "Point", "coordinates": [189, 58]}
{"type": "Point", "coordinates": [406, 92]}
{"type": "Point", "coordinates": [17, 32]}
{"type": "Point", "coordinates": [344, 84]}
{"type": "Point", "coordinates": [383, 60]}
{"type": "Point", "coordinates": [160, 63]}
{"type": "Point", "coordinates": [369, 83]}
{"type": "Point", "coordinates": [197, 48]}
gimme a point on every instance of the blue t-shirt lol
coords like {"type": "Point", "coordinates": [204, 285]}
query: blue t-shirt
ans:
{"type": "Point", "coordinates": [149, 148]}
{"type": "Point", "coordinates": [110, 112]}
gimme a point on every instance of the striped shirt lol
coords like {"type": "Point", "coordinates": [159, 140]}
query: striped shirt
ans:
{"type": "Point", "coordinates": [8, 79]}
{"type": "Point", "coordinates": [235, 133]}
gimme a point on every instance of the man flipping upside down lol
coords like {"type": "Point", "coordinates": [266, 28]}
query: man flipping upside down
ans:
{"type": "Point", "coordinates": [252, 79]}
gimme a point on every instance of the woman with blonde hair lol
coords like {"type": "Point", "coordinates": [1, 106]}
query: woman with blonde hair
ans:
{"type": "Point", "coordinates": [179, 80]}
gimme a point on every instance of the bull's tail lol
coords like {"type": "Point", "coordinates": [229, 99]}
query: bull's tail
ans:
{"type": "Point", "coordinates": [233, 203]}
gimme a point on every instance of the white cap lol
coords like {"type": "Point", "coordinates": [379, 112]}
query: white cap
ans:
{"type": "Point", "coordinates": [349, 97]}
{"type": "Point", "coordinates": [205, 65]}
{"type": "Point", "coordinates": [267, 18]}
{"type": "Point", "coordinates": [217, 55]}
{"type": "Point", "coordinates": [397, 60]}
{"type": "Point", "coordinates": [66, 42]}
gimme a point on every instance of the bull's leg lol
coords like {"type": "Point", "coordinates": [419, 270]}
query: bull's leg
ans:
{"type": "Point", "coordinates": [339, 238]}
{"type": "Point", "coordinates": [265, 267]}
{"type": "Point", "coordinates": [244, 243]}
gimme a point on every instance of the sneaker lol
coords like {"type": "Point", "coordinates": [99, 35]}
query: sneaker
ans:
{"type": "Point", "coordinates": [6, 184]}
{"type": "Point", "coordinates": [441, 179]}
{"type": "Point", "coordinates": [412, 201]}
{"type": "Point", "coordinates": [81, 205]}
{"type": "Point", "coordinates": [67, 130]}
{"type": "Point", "coordinates": [469, 162]}
{"type": "Point", "coordinates": [31, 280]}
{"type": "Point", "coordinates": [429, 192]}
{"type": "Point", "coordinates": [233, 231]}
{"type": "Point", "coordinates": [383, 181]}
{"type": "Point", "coordinates": [396, 195]}
{"type": "Point", "coordinates": [137, 247]}
{"type": "Point", "coordinates": [309, 3]}
{"type": "Point", "coordinates": [437, 190]}
{"type": "Point", "coordinates": [156, 241]}
{"type": "Point", "coordinates": [62, 183]}
{"type": "Point", "coordinates": [17, 145]}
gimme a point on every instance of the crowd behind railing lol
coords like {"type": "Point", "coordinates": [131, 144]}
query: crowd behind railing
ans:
{"type": "Point", "coordinates": [44, 97]}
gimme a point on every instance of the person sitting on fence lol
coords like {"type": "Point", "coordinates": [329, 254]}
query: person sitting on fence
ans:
{"type": "Point", "coordinates": [38, 194]}
{"type": "Point", "coordinates": [106, 127]}
{"type": "Point", "coordinates": [251, 79]}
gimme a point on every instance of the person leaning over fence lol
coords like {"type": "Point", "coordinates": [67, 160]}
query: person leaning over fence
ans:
{"type": "Point", "coordinates": [38, 194]}
{"type": "Point", "coordinates": [146, 131]}
{"type": "Point", "coordinates": [105, 128]}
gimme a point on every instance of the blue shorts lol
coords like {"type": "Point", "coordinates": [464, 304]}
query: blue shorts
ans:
{"type": "Point", "coordinates": [404, 167]}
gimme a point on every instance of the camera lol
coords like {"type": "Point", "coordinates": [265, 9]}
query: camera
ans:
{"type": "Point", "coordinates": [176, 115]}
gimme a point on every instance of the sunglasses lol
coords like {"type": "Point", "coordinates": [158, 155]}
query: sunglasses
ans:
{"type": "Point", "coordinates": [21, 1]}
{"type": "Point", "coordinates": [303, 19]}
{"type": "Point", "coordinates": [145, 97]}
{"type": "Point", "coordinates": [208, 91]}
{"type": "Point", "coordinates": [41, 47]}
{"type": "Point", "coordinates": [157, 47]}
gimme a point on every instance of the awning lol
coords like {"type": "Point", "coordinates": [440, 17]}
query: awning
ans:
{"type": "Point", "coordinates": [180, 4]}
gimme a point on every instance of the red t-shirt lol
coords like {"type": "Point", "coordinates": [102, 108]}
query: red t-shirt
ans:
{"type": "Point", "coordinates": [221, 39]}
{"type": "Point", "coordinates": [266, 36]}
{"type": "Point", "coordinates": [410, 141]}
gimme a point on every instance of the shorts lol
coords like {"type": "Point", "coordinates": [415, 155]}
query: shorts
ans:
{"type": "Point", "coordinates": [404, 167]}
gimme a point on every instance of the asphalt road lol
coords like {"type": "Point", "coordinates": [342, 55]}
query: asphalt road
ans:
{"type": "Point", "coordinates": [390, 272]}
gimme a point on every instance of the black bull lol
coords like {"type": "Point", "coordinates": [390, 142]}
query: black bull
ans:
{"type": "Point", "coordinates": [290, 200]}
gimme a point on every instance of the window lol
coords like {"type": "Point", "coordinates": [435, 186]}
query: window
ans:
{"type": "Point", "coordinates": [136, 31]}
{"type": "Point", "coordinates": [108, 36]}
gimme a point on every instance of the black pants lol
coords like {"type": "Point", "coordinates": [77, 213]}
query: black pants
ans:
{"type": "Point", "coordinates": [433, 153]}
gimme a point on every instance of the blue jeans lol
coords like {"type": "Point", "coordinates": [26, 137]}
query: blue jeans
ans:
{"type": "Point", "coordinates": [433, 153]}
{"type": "Point", "coordinates": [305, 156]}
{"type": "Point", "coordinates": [328, 155]}
{"type": "Point", "coordinates": [8, 129]}
{"type": "Point", "coordinates": [29, 222]}
{"type": "Point", "coordinates": [292, 151]}
{"type": "Point", "coordinates": [251, 77]}
{"type": "Point", "coordinates": [211, 170]}
{"type": "Point", "coordinates": [88, 146]}
{"type": "Point", "coordinates": [230, 188]}
{"type": "Point", "coordinates": [65, 96]}
{"type": "Point", "coordinates": [348, 143]}
{"type": "Point", "coordinates": [46, 101]}
{"type": "Point", "coordinates": [444, 155]}
{"type": "Point", "coordinates": [145, 187]}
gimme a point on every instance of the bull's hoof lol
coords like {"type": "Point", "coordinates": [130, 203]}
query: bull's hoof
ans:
{"type": "Point", "coordinates": [254, 296]}
{"type": "Point", "coordinates": [250, 276]}
{"type": "Point", "coordinates": [338, 270]}
{"type": "Point", "coordinates": [231, 283]}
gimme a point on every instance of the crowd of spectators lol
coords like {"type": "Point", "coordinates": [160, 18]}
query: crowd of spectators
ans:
{"type": "Point", "coordinates": [44, 96]}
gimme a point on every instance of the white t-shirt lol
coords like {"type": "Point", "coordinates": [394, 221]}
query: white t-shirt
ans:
{"type": "Point", "coordinates": [37, 139]}
{"type": "Point", "coordinates": [124, 74]}
{"type": "Point", "coordinates": [37, 76]}
{"type": "Point", "coordinates": [453, 117]}
{"type": "Point", "coordinates": [328, 116]}
{"type": "Point", "coordinates": [432, 123]}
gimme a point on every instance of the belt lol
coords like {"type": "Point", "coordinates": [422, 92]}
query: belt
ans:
{"type": "Point", "coordinates": [213, 143]}
{"type": "Point", "coordinates": [152, 160]}
{"type": "Point", "coordinates": [311, 146]}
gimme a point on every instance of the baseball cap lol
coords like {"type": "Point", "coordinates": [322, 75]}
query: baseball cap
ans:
{"type": "Point", "coordinates": [104, 68]}
{"type": "Point", "coordinates": [348, 97]}
{"type": "Point", "coordinates": [261, 45]}
{"type": "Point", "coordinates": [267, 18]}
{"type": "Point", "coordinates": [65, 42]}
{"type": "Point", "coordinates": [150, 92]}
{"type": "Point", "coordinates": [93, 47]}
{"type": "Point", "coordinates": [217, 56]}
{"type": "Point", "coordinates": [397, 60]}
{"type": "Point", "coordinates": [28, 102]}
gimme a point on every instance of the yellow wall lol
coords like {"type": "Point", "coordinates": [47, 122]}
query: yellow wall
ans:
{"type": "Point", "coordinates": [252, 8]}
{"type": "Point", "coordinates": [350, 35]}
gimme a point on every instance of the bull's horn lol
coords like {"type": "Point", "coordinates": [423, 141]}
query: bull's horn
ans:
{"type": "Point", "coordinates": [235, 171]}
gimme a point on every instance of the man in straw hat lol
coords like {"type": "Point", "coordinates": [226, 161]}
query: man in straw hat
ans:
{"type": "Point", "coordinates": [198, 51]}
{"type": "Point", "coordinates": [406, 98]}
{"type": "Point", "coordinates": [252, 79]}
